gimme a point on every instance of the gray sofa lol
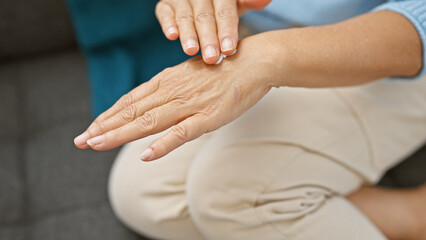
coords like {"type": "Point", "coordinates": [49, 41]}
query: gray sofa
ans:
{"type": "Point", "coordinates": [49, 190]}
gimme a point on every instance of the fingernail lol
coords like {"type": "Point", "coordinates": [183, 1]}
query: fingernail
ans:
{"type": "Point", "coordinates": [209, 52]}
{"type": "Point", "coordinates": [190, 43]}
{"type": "Point", "coordinates": [81, 139]}
{"type": "Point", "coordinates": [146, 155]}
{"type": "Point", "coordinates": [96, 140]}
{"type": "Point", "coordinates": [227, 45]}
{"type": "Point", "coordinates": [172, 30]}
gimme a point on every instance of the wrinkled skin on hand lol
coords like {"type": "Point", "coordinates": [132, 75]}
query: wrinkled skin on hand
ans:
{"type": "Point", "coordinates": [191, 99]}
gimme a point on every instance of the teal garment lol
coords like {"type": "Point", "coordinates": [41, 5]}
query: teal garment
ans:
{"type": "Point", "coordinates": [123, 45]}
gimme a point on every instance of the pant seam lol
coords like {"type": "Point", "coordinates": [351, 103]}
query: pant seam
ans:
{"type": "Point", "coordinates": [256, 200]}
{"type": "Point", "coordinates": [363, 126]}
{"type": "Point", "coordinates": [260, 218]}
{"type": "Point", "coordinates": [304, 150]}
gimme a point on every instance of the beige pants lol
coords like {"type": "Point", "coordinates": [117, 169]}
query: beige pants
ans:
{"type": "Point", "coordinates": [281, 171]}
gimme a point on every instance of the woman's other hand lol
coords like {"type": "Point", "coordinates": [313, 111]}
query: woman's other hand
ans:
{"type": "Point", "coordinates": [191, 99]}
{"type": "Point", "coordinates": [213, 24]}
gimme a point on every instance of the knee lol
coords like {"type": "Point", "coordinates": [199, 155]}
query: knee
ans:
{"type": "Point", "coordinates": [223, 213]}
{"type": "Point", "coordinates": [228, 203]}
{"type": "Point", "coordinates": [130, 206]}
{"type": "Point", "coordinates": [150, 208]}
{"type": "Point", "coordinates": [150, 197]}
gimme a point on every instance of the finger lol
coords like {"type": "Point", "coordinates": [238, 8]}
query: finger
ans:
{"type": "Point", "coordinates": [226, 13]}
{"type": "Point", "coordinates": [136, 94]}
{"type": "Point", "coordinates": [151, 122]}
{"type": "Point", "coordinates": [166, 16]}
{"type": "Point", "coordinates": [185, 22]}
{"type": "Point", "coordinates": [133, 96]}
{"type": "Point", "coordinates": [187, 130]}
{"type": "Point", "coordinates": [253, 4]}
{"type": "Point", "coordinates": [125, 116]}
{"type": "Point", "coordinates": [205, 24]}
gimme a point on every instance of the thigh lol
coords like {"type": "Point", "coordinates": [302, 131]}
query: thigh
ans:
{"type": "Point", "coordinates": [289, 161]}
{"type": "Point", "coordinates": [263, 189]}
{"type": "Point", "coordinates": [367, 128]}
{"type": "Point", "coordinates": [392, 113]}
{"type": "Point", "coordinates": [149, 197]}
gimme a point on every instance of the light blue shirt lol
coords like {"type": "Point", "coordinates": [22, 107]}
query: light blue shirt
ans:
{"type": "Point", "coordinates": [281, 14]}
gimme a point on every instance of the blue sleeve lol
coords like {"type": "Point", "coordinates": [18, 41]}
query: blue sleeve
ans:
{"type": "Point", "coordinates": [415, 11]}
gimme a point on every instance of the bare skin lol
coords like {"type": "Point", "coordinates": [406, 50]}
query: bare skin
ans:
{"type": "Point", "coordinates": [399, 214]}
{"type": "Point", "coordinates": [209, 25]}
{"type": "Point", "coordinates": [194, 98]}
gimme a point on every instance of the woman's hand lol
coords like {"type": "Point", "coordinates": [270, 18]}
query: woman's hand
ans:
{"type": "Point", "coordinates": [194, 98]}
{"type": "Point", "coordinates": [213, 23]}
{"type": "Point", "coordinates": [191, 99]}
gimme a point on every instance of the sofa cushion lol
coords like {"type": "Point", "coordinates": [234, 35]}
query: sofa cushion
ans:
{"type": "Point", "coordinates": [49, 189]}
{"type": "Point", "coordinates": [31, 27]}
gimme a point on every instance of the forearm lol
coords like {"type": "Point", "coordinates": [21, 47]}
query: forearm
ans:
{"type": "Point", "coordinates": [359, 50]}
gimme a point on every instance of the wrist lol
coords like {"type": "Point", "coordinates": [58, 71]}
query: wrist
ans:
{"type": "Point", "coordinates": [293, 66]}
{"type": "Point", "coordinates": [264, 57]}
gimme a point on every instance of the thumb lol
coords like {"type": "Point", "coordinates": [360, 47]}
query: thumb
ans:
{"type": "Point", "coordinates": [253, 4]}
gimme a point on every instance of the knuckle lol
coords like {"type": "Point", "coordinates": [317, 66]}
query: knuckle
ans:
{"type": "Point", "coordinates": [129, 113]}
{"type": "Point", "coordinates": [180, 133]}
{"type": "Point", "coordinates": [207, 122]}
{"type": "Point", "coordinates": [181, 100]}
{"type": "Point", "coordinates": [154, 83]}
{"type": "Point", "coordinates": [101, 126]}
{"type": "Point", "coordinates": [167, 70]}
{"type": "Point", "coordinates": [146, 121]}
{"type": "Point", "coordinates": [187, 98]}
{"type": "Point", "coordinates": [101, 117]}
{"type": "Point", "coordinates": [158, 7]}
{"type": "Point", "coordinates": [181, 19]}
{"type": "Point", "coordinates": [116, 134]}
{"type": "Point", "coordinates": [170, 84]}
{"type": "Point", "coordinates": [204, 16]}
{"type": "Point", "coordinates": [226, 13]}
{"type": "Point", "coordinates": [125, 100]}
{"type": "Point", "coordinates": [203, 117]}
{"type": "Point", "coordinates": [161, 7]}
